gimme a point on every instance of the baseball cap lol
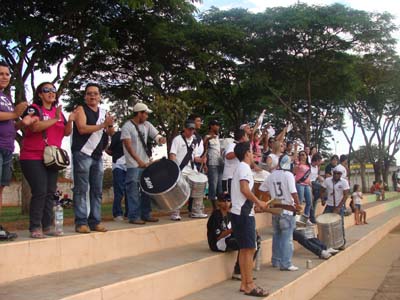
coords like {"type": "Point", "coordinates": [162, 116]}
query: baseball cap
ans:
{"type": "Point", "coordinates": [141, 107]}
{"type": "Point", "coordinates": [337, 170]}
{"type": "Point", "coordinates": [224, 197]}
{"type": "Point", "coordinates": [189, 124]}
{"type": "Point", "coordinates": [284, 162]}
{"type": "Point", "coordinates": [243, 126]}
{"type": "Point", "coordinates": [214, 122]}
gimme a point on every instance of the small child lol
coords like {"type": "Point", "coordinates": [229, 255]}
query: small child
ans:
{"type": "Point", "coordinates": [359, 214]}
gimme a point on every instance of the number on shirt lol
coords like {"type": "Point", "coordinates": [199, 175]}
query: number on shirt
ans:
{"type": "Point", "coordinates": [278, 189]}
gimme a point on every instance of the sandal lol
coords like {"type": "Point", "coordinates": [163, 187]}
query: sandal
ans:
{"type": "Point", "coordinates": [37, 234]}
{"type": "Point", "coordinates": [257, 292]}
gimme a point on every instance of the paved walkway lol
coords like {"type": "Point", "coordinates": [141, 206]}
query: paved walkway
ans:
{"type": "Point", "coordinates": [375, 276]}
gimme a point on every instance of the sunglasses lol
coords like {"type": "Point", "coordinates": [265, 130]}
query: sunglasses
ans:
{"type": "Point", "coordinates": [47, 90]}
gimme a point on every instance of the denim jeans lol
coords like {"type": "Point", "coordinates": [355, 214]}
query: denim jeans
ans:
{"type": "Point", "coordinates": [316, 194]}
{"type": "Point", "coordinates": [314, 245]}
{"type": "Point", "coordinates": [330, 209]}
{"type": "Point", "coordinates": [214, 181]}
{"type": "Point", "coordinates": [304, 192]}
{"type": "Point", "coordinates": [119, 192]}
{"type": "Point", "coordinates": [43, 184]}
{"type": "Point", "coordinates": [5, 167]}
{"type": "Point", "coordinates": [88, 173]}
{"type": "Point", "coordinates": [282, 240]}
{"type": "Point", "coordinates": [139, 206]}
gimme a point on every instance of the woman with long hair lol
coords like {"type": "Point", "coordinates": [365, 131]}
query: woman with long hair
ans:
{"type": "Point", "coordinates": [302, 171]}
{"type": "Point", "coordinates": [49, 128]}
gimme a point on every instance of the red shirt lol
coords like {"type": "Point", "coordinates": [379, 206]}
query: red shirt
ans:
{"type": "Point", "coordinates": [33, 143]}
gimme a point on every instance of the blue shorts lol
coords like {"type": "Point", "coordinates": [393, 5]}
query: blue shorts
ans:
{"type": "Point", "coordinates": [244, 229]}
{"type": "Point", "coordinates": [5, 167]}
{"type": "Point", "coordinates": [358, 206]}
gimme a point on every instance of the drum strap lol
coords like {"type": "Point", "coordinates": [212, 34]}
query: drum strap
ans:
{"type": "Point", "coordinates": [188, 156]}
{"type": "Point", "coordinates": [141, 138]}
{"type": "Point", "coordinates": [333, 191]}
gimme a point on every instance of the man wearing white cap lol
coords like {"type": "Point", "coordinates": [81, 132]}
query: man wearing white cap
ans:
{"type": "Point", "coordinates": [336, 189]}
{"type": "Point", "coordinates": [134, 136]}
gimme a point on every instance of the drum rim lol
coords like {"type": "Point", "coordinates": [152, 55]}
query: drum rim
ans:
{"type": "Point", "coordinates": [167, 190]}
{"type": "Point", "coordinates": [336, 215]}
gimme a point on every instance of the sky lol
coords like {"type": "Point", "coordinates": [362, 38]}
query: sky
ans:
{"type": "Point", "coordinates": [392, 6]}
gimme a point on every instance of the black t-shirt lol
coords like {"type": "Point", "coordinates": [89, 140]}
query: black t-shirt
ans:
{"type": "Point", "coordinates": [328, 169]}
{"type": "Point", "coordinates": [216, 224]}
{"type": "Point", "coordinates": [116, 146]}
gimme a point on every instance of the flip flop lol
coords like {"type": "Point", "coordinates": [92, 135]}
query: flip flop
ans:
{"type": "Point", "coordinates": [257, 292]}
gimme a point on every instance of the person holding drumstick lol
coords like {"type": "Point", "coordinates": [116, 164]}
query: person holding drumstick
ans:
{"type": "Point", "coordinates": [134, 135]}
{"type": "Point", "coordinates": [336, 189]}
{"type": "Point", "coordinates": [185, 152]}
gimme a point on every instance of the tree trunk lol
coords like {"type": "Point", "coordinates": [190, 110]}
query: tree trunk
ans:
{"type": "Point", "coordinates": [364, 186]}
{"type": "Point", "coordinates": [25, 196]}
{"type": "Point", "coordinates": [377, 170]}
{"type": "Point", "coordinates": [385, 174]}
{"type": "Point", "coordinates": [309, 111]}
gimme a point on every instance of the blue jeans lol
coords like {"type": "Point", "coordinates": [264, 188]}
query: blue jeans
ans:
{"type": "Point", "coordinates": [88, 172]}
{"type": "Point", "coordinates": [214, 181]}
{"type": "Point", "coordinates": [314, 245]}
{"type": "Point", "coordinates": [5, 167]}
{"type": "Point", "coordinates": [304, 192]}
{"type": "Point", "coordinates": [330, 209]}
{"type": "Point", "coordinates": [139, 206]}
{"type": "Point", "coordinates": [316, 194]}
{"type": "Point", "coordinates": [119, 192]}
{"type": "Point", "coordinates": [282, 240]}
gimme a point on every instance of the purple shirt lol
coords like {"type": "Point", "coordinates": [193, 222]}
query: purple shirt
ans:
{"type": "Point", "coordinates": [7, 128]}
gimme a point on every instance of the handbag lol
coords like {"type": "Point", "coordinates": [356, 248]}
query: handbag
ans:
{"type": "Point", "coordinates": [54, 158]}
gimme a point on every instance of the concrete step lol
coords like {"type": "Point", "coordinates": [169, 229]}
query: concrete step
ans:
{"type": "Point", "coordinates": [305, 284]}
{"type": "Point", "coordinates": [166, 274]}
{"type": "Point", "coordinates": [32, 257]}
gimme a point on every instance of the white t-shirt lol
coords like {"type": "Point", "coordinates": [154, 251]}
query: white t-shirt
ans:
{"type": "Point", "coordinates": [343, 170]}
{"type": "Point", "coordinates": [274, 160]}
{"type": "Point", "coordinates": [179, 148]}
{"type": "Point", "coordinates": [214, 152]}
{"type": "Point", "coordinates": [335, 191]}
{"type": "Point", "coordinates": [281, 185]}
{"type": "Point", "coordinates": [357, 197]}
{"type": "Point", "coordinates": [128, 131]}
{"type": "Point", "coordinates": [230, 164]}
{"type": "Point", "coordinates": [242, 172]}
{"type": "Point", "coordinates": [314, 173]}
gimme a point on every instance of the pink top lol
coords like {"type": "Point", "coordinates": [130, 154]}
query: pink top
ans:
{"type": "Point", "coordinates": [33, 143]}
{"type": "Point", "coordinates": [301, 170]}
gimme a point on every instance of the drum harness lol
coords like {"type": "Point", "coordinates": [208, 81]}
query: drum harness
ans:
{"type": "Point", "coordinates": [141, 138]}
{"type": "Point", "coordinates": [188, 156]}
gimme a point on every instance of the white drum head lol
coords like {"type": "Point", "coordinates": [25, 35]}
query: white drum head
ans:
{"type": "Point", "coordinates": [260, 176]}
{"type": "Point", "coordinates": [197, 177]}
{"type": "Point", "coordinates": [328, 218]}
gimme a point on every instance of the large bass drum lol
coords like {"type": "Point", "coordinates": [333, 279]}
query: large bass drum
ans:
{"type": "Point", "coordinates": [165, 184]}
{"type": "Point", "coordinates": [330, 230]}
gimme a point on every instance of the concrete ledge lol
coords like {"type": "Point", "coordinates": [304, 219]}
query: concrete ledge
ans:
{"type": "Point", "coordinates": [185, 279]}
{"type": "Point", "coordinates": [308, 285]}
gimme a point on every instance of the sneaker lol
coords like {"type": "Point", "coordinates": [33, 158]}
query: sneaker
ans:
{"type": "Point", "coordinates": [309, 223]}
{"type": "Point", "coordinates": [82, 229]}
{"type": "Point", "coordinates": [325, 254]}
{"type": "Point", "coordinates": [176, 218]}
{"type": "Point", "coordinates": [291, 268]}
{"type": "Point", "coordinates": [119, 219]}
{"type": "Point", "coordinates": [199, 215]}
{"type": "Point", "coordinates": [236, 276]}
{"type": "Point", "coordinates": [100, 228]}
{"type": "Point", "coordinates": [7, 236]}
{"type": "Point", "coordinates": [151, 220]}
{"type": "Point", "coordinates": [137, 222]}
{"type": "Point", "coordinates": [332, 251]}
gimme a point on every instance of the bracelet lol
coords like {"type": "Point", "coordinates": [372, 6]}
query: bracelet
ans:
{"type": "Point", "coordinates": [110, 126]}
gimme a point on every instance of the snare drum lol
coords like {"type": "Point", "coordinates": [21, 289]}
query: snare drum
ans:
{"type": "Point", "coordinates": [330, 230]}
{"type": "Point", "coordinates": [197, 182]}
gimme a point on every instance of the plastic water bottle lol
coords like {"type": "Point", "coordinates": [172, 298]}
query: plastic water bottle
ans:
{"type": "Point", "coordinates": [258, 260]}
{"type": "Point", "coordinates": [58, 219]}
